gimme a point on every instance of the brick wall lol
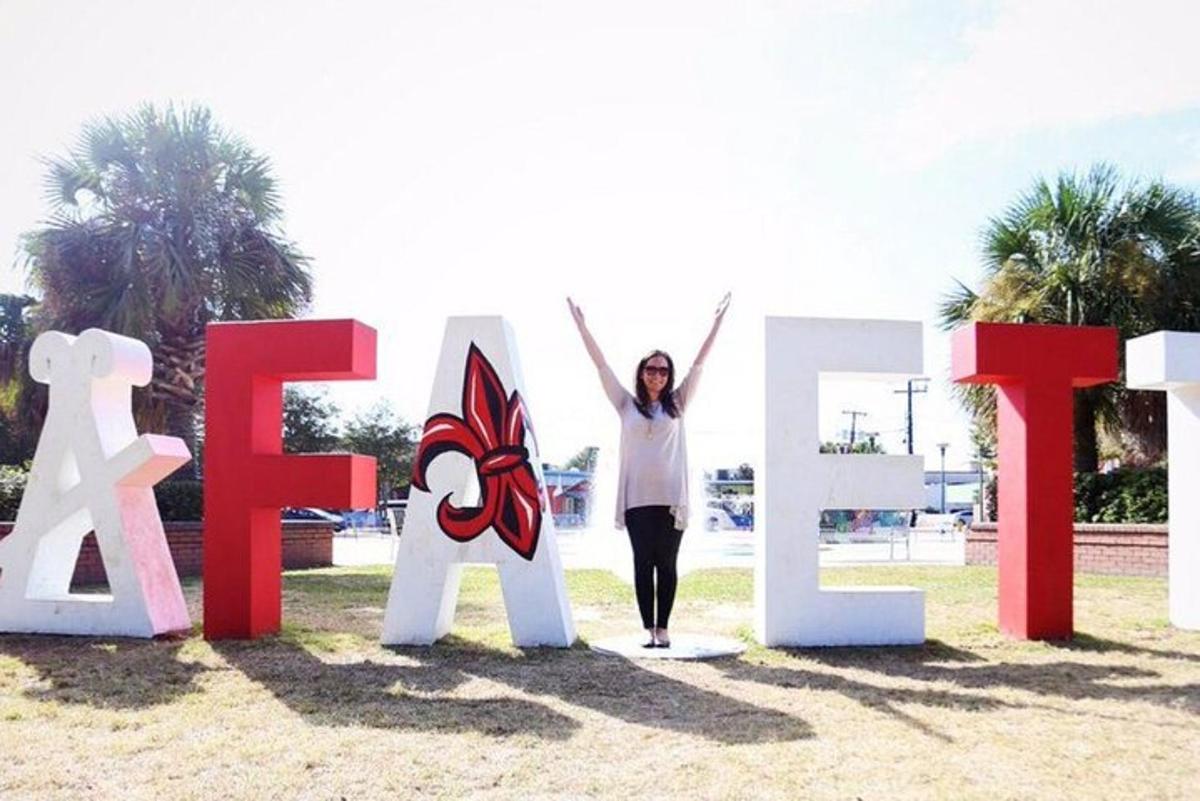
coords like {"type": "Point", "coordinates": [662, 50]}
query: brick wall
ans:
{"type": "Point", "coordinates": [305, 544]}
{"type": "Point", "coordinates": [1126, 549]}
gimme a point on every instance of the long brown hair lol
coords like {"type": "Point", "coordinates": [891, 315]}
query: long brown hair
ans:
{"type": "Point", "coordinates": [666, 397]}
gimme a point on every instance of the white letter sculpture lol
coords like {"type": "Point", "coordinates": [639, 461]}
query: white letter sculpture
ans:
{"type": "Point", "coordinates": [1170, 360]}
{"type": "Point", "coordinates": [92, 472]}
{"type": "Point", "coordinates": [478, 496]}
{"type": "Point", "coordinates": [790, 606]}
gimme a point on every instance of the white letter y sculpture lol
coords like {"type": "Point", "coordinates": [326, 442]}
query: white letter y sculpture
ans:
{"type": "Point", "coordinates": [92, 472]}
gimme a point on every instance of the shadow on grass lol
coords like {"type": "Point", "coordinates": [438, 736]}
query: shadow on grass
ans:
{"type": "Point", "coordinates": [936, 662]}
{"type": "Point", "coordinates": [385, 696]}
{"type": "Point", "coordinates": [887, 700]}
{"type": "Point", "coordinates": [624, 689]}
{"type": "Point", "coordinates": [1092, 643]}
{"type": "Point", "coordinates": [106, 673]}
{"type": "Point", "coordinates": [417, 696]}
{"type": "Point", "coordinates": [576, 676]}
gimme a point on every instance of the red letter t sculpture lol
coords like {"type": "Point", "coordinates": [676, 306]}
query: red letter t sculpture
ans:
{"type": "Point", "coordinates": [247, 479]}
{"type": "Point", "coordinates": [1035, 368]}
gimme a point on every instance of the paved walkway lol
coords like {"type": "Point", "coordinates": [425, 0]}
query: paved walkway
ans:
{"type": "Point", "coordinates": [700, 550]}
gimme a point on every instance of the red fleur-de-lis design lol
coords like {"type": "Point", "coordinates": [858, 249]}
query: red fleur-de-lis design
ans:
{"type": "Point", "coordinates": [491, 432]}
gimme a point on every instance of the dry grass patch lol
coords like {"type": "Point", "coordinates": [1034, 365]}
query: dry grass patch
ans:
{"type": "Point", "coordinates": [323, 711]}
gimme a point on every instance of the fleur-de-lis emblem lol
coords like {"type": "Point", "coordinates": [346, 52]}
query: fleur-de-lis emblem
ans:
{"type": "Point", "coordinates": [491, 432]}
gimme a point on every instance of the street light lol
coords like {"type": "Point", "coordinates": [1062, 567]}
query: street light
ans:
{"type": "Point", "coordinates": [942, 447]}
{"type": "Point", "coordinates": [983, 454]}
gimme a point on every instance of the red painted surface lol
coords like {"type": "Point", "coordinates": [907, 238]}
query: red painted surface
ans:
{"type": "Point", "coordinates": [492, 433]}
{"type": "Point", "coordinates": [1035, 369]}
{"type": "Point", "coordinates": [248, 479]}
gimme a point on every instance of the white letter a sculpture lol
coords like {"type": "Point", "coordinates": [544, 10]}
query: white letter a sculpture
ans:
{"type": "Point", "coordinates": [478, 496]}
{"type": "Point", "coordinates": [92, 472]}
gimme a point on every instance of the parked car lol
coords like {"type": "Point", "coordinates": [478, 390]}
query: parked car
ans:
{"type": "Point", "coordinates": [717, 519]}
{"type": "Point", "coordinates": [719, 516]}
{"type": "Point", "coordinates": [315, 515]}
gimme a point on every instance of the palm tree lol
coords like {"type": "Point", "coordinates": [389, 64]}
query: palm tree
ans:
{"type": "Point", "coordinates": [1091, 250]}
{"type": "Point", "coordinates": [15, 336]}
{"type": "Point", "coordinates": [163, 222]}
{"type": "Point", "coordinates": [17, 439]}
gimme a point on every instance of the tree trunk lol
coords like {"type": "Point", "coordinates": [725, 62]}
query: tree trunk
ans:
{"type": "Point", "coordinates": [181, 421]}
{"type": "Point", "coordinates": [177, 388]}
{"type": "Point", "coordinates": [1144, 426]}
{"type": "Point", "coordinates": [1087, 448]}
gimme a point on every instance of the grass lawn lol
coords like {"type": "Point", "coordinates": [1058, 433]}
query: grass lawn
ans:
{"type": "Point", "coordinates": [324, 712]}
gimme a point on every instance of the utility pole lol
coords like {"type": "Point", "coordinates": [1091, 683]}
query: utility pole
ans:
{"type": "Point", "coordinates": [910, 391]}
{"type": "Point", "coordinates": [854, 415]}
{"type": "Point", "coordinates": [942, 447]}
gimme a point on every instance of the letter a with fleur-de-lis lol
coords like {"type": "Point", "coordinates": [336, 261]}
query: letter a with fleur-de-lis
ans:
{"type": "Point", "coordinates": [92, 473]}
{"type": "Point", "coordinates": [478, 496]}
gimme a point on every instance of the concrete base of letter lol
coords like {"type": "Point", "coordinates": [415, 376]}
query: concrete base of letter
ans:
{"type": "Point", "coordinates": [683, 646]}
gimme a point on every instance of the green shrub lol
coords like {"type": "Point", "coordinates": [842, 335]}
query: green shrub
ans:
{"type": "Point", "coordinates": [181, 499]}
{"type": "Point", "coordinates": [177, 500]}
{"type": "Point", "coordinates": [12, 487]}
{"type": "Point", "coordinates": [1122, 496]}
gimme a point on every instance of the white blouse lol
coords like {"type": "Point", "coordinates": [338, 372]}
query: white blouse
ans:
{"type": "Point", "coordinates": [653, 454]}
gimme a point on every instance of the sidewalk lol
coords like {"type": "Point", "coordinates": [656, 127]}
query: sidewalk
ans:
{"type": "Point", "coordinates": [581, 549]}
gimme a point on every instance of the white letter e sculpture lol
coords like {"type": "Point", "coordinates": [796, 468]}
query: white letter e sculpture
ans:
{"type": "Point", "coordinates": [791, 608]}
{"type": "Point", "coordinates": [92, 472]}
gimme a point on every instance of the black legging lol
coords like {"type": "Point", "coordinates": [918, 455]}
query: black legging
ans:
{"type": "Point", "coordinates": [655, 542]}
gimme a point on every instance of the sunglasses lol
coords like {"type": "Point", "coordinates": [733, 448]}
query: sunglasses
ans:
{"type": "Point", "coordinates": [659, 371]}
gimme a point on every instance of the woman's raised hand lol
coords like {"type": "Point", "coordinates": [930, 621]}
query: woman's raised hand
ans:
{"type": "Point", "coordinates": [576, 312]}
{"type": "Point", "coordinates": [718, 316]}
{"type": "Point", "coordinates": [723, 306]}
{"type": "Point", "coordinates": [592, 348]}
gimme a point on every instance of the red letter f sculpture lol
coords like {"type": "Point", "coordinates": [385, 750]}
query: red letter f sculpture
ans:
{"type": "Point", "coordinates": [247, 477]}
{"type": "Point", "coordinates": [1035, 368]}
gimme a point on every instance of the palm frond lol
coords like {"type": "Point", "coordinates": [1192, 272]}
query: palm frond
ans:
{"type": "Point", "coordinates": [178, 228]}
{"type": "Point", "coordinates": [1090, 249]}
{"type": "Point", "coordinates": [957, 306]}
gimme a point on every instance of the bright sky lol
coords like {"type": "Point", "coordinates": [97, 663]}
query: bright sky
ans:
{"type": "Point", "coordinates": [444, 158]}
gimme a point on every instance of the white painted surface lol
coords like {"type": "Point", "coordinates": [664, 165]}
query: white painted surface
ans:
{"type": "Point", "coordinates": [791, 608]}
{"type": "Point", "coordinates": [428, 570]}
{"type": "Point", "coordinates": [1170, 361]}
{"type": "Point", "coordinates": [683, 646]}
{"type": "Point", "coordinates": [92, 472]}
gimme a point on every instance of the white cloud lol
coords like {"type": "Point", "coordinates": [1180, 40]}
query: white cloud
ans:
{"type": "Point", "coordinates": [1049, 65]}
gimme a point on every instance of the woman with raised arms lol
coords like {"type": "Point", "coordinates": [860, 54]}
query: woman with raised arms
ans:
{"type": "Point", "coordinates": [652, 485]}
